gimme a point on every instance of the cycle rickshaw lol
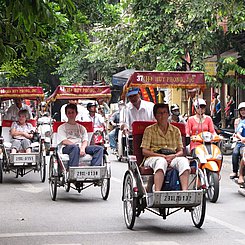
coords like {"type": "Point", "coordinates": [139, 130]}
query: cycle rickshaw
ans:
{"type": "Point", "coordinates": [135, 197]}
{"type": "Point", "coordinates": [21, 163]}
{"type": "Point", "coordinates": [83, 176]}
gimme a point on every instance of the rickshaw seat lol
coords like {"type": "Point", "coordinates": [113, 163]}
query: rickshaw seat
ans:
{"type": "Point", "coordinates": [6, 125]}
{"type": "Point", "coordinates": [138, 128]}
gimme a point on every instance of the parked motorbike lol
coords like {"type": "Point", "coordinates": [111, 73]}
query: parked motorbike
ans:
{"type": "Point", "coordinates": [44, 128]}
{"type": "Point", "coordinates": [210, 160]}
{"type": "Point", "coordinates": [228, 141]}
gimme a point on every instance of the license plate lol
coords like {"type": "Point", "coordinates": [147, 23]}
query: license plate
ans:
{"type": "Point", "coordinates": [180, 197]}
{"type": "Point", "coordinates": [81, 174]}
{"type": "Point", "coordinates": [24, 158]}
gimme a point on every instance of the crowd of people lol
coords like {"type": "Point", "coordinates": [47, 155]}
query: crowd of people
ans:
{"type": "Point", "coordinates": [162, 134]}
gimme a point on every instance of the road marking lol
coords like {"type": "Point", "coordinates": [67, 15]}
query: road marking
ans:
{"type": "Point", "coordinates": [158, 243]}
{"type": "Point", "coordinates": [30, 188]}
{"type": "Point", "coordinates": [64, 233]}
{"type": "Point", "coordinates": [116, 180]}
{"type": "Point", "coordinates": [227, 225]}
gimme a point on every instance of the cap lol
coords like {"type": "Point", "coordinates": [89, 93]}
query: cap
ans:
{"type": "Point", "coordinates": [241, 105]}
{"type": "Point", "coordinates": [133, 91]}
{"type": "Point", "coordinates": [199, 102]}
{"type": "Point", "coordinates": [174, 107]}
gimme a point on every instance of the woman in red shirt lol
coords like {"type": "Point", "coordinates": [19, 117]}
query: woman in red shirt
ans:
{"type": "Point", "coordinates": [199, 122]}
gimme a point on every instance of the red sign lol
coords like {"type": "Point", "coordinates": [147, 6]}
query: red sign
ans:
{"type": "Point", "coordinates": [166, 79]}
{"type": "Point", "coordinates": [21, 92]}
{"type": "Point", "coordinates": [80, 92]}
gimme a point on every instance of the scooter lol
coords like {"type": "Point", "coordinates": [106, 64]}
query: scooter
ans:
{"type": "Point", "coordinates": [210, 160]}
{"type": "Point", "coordinates": [228, 141]}
{"type": "Point", "coordinates": [44, 128]}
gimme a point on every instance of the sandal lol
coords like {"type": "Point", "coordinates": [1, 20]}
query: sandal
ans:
{"type": "Point", "coordinates": [240, 181]}
{"type": "Point", "coordinates": [233, 175]}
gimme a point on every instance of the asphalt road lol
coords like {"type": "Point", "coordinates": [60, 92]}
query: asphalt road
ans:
{"type": "Point", "coordinates": [29, 216]}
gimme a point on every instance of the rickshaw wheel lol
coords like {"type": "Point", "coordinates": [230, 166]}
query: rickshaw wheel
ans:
{"type": "Point", "coordinates": [198, 213]}
{"type": "Point", "coordinates": [42, 168]}
{"type": "Point", "coordinates": [213, 189]}
{"type": "Point", "coordinates": [1, 171]}
{"type": "Point", "coordinates": [53, 180]}
{"type": "Point", "coordinates": [67, 186]}
{"type": "Point", "coordinates": [129, 201]}
{"type": "Point", "coordinates": [105, 188]}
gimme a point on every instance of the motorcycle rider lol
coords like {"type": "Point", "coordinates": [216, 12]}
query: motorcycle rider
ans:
{"type": "Point", "coordinates": [240, 133]}
{"type": "Point", "coordinates": [199, 122]}
{"type": "Point", "coordinates": [175, 114]}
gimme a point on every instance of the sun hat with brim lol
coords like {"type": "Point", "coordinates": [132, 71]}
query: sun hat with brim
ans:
{"type": "Point", "coordinates": [132, 91]}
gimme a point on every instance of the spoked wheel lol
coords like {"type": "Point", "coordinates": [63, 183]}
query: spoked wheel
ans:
{"type": "Point", "coordinates": [129, 201]}
{"type": "Point", "coordinates": [67, 186]}
{"type": "Point", "coordinates": [213, 189]}
{"type": "Point", "coordinates": [105, 188]}
{"type": "Point", "coordinates": [53, 179]}
{"type": "Point", "coordinates": [1, 170]}
{"type": "Point", "coordinates": [198, 213]}
{"type": "Point", "coordinates": [42, 168]}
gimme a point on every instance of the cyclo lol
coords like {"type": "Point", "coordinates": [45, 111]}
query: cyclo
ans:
{"type": "Point", "coordinates": [85, 175]}
{"type": "Point", "coordinates": [21, 163]}
{"type": "Point", "coordinates": [135, 197]}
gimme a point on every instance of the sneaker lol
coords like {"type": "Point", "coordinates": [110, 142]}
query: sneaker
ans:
{"type": "Point", "coordinates": [233, 175]}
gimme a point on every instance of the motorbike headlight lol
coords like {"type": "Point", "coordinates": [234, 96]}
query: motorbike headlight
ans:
{"type": "Point", "coordinates": [207, 136]}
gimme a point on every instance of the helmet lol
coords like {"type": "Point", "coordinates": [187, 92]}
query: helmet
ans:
{"type": "Point", "coordinates": [241, 105]}
{"type": "Point", "coordinates": [199, 102]}
{"type": "Point", "coordinates": [90, 104]}
{"type": "Point", "coordinates": [173, 108]}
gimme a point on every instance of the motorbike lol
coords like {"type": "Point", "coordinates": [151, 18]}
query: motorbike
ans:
{"type": "Point", "coordinates": [228, 141]}
{"type": "Point", "coordinates": [44, 128]}
{"type": "Point", "coordinates": [209, 158]}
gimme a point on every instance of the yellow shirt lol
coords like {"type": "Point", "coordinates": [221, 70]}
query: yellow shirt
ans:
{"type": "Point", "coordinates": [154, 139]}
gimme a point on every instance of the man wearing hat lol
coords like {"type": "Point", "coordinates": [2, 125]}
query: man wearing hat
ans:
{"type": "Point", "coordinates": [137, 109]}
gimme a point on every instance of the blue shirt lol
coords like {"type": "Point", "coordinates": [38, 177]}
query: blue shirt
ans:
{"type": "Point", "coordinates": [241, 128]}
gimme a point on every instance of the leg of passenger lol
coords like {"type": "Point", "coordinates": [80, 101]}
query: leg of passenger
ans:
{"type": "Point", "coordinates": [26, 145]}
{"type": "Point", "coordinates": [241, 177]}
{"type": "Point", "coordinates": [74, 154]}
{"type": "Point", "coordinates": [158, 179]}
{"type": "Point", "coordinates": [184, 179]}
{"type": "Point", "coordinates": [235, 160]}
{"type": "Point", "coordinates": [16, 145]}
{"type": "Point", "coordinates": [183, 166]}
{"type": "Point", "coordinates": [96, 151]}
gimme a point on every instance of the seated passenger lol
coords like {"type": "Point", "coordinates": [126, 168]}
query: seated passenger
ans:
{"type": "Point", "coordinates": [163, 135]}
{"type": "Point", "coordinates": [22, 133]}
{"type": "Point", "coordinates": [74, 137]}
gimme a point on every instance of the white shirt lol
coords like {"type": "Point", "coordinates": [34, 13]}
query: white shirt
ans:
{"type": "Point", "coordinates": [144, 113]}
{"type": "Point", "coordinates": [73, 132]}
{"type": "Point", "coordinates": [27, 128]}
{"type": "Point", "coordinates": [80, 109]}
{"type": "Point", "coordinates": [98, 120]}
{"type": "Point", "coordinates": [13, 110]}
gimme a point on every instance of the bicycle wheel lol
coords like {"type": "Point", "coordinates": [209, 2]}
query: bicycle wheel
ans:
{"type": "Point", "coordinates": [105, 188]}
{"type": "Point", "coordinates": [213, 189]}
{"type": "Point", "coordinates": [1, 170]}
{"type": "Point", "coordinates": [198, 213]}
{"type": "Point", "coordinates": [42, 167]}
{"type": "Point", "coordinates": [53, 179]}
{"type": "Point", "coordinates": [129, 201]}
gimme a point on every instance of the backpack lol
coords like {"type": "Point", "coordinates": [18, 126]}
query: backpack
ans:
{"type": "Point", "coordinates": [171, 180]}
